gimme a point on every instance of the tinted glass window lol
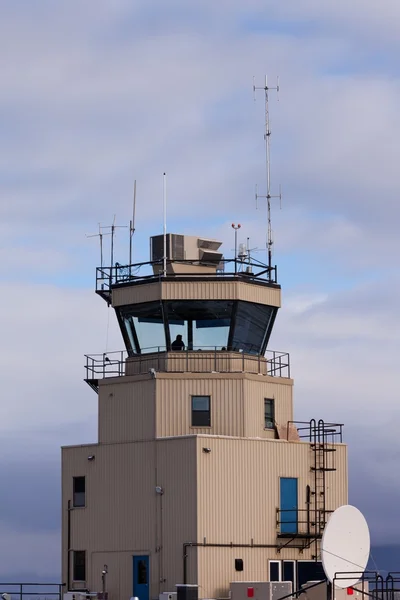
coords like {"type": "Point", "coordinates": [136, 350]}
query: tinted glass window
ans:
{"type": "Point", "coordinates": [143, 326]}
{"type": "Point", "coordinates": [288, 571]}
{"type": "Point", "coordinates": [274, 571]}
{"type": "Point", "coordinates": [251, 325]}
{"type": "Point", "coordinates": [79, 571]}
{"type": "Point", "coordinates": [201, 413]}
{"type": "Point", "coordinates": [269, 413]}
{"type": "Point", "coordinates": [203, 324]}
{"type": "Point", "coordinates": [309, 571]}
{"type": "Point", "coordinates": [79, 490]}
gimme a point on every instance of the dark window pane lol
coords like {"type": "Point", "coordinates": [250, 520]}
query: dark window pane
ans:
{"type": "Point", "coordinates": [201, 413]}
{"type": "Point", "coordinates": [269, 413]}
{"type": "Point", "coordinates": [141, 572]}
{"type": "Point", "coordinates": [308, 570]}
{"type": "Point", "coordinates": [288, 571]}
{"type": "Point", "coordinates": [79, 565]}
{"type": "Point", "coordinates": [79, 486]}
{"type": "Point", "coordinates": [251, 326]}
{"type": "Point", "coordinates": [274, 571]}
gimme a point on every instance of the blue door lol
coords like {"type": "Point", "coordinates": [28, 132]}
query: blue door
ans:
{"type": "Point", "coordinates": [288, 501]}
{"type": "Point", "coordinates": [141, 577]}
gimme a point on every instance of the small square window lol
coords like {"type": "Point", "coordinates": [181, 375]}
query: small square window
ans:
{"type": "Point", "coordinates": [79, 492]}
{"type": "Point", "coordinates": [201, 414]}
{"type": "Point", "coordinates": [79, 570]}
{"type": "Point", "coordinates": [269, 413]}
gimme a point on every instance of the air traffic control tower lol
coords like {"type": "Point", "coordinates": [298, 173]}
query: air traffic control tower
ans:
{"type": "Point", "coordinates": [200, 475]}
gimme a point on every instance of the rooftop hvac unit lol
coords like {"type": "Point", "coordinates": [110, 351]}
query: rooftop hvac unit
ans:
{"type": "Point", "coordinates": [185, 247]}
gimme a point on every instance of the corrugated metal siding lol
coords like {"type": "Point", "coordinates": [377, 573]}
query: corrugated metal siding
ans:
{"type": "Point", "coordinates": [123, 512]}
{"type": "Point", "coordinates": [238, 494]}
{"type": "Point", "coordinates": [221, 290]}
{"type": "Point", "coordinates": [199, 290]}
{"type": "Point", "coordinates": [126, 410]}
{"type": "Point", "coordinates": [173, 411]}
{"type": "Point", "coordinates": [242, 478]}
{"type": "Point", "coordinates": [255, 390]}
{"type": "Point", "coordinates": [217, 568]}
{"type": "Point", "coordinates": [177, 474]}
{"type": "Point", "coordinates": [135, 294]}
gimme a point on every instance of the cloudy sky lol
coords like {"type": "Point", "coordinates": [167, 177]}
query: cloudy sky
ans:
{"type": "Point", "coordinates": [95, 94]}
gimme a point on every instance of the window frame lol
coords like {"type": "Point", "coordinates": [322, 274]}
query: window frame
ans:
{"type": "Point", "coordinates": [76, 566]}
{"type": "Point", "coordinates": [271, 421]}
{"type": "Point", "coordinates": [74, 493]}
{"type": "Point", "coordinates": [194, 411]}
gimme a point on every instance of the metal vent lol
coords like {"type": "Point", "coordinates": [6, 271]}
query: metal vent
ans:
{"type": "Point", "coordinates": [178, 249]}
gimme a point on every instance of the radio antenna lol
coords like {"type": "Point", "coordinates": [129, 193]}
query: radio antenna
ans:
{"type": "Point", "coordinates": [268, 196]}
{"type": "Point", "coordinates": [100, 236]}
{"type": "Point", "coordinates": [132, 225]}
{"type": "Point", "coordinates": [165, 224]}
{"type": "Point", "coordinates": [113, 227]}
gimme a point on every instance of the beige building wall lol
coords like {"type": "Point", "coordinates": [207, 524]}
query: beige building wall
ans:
{"type": "Point", "coordinates": [238, 496]}
{"type": "Point", "coordinates": [126, 409]}
{"type": "Point", "coordinates": [228, 495]}
{"type": "Point", "coordinates": [255, 389]}
{"type": "Point", "coordinates": [143, 408]}
{"type": "Point", "coordinates": [237, 403]}
{"type": "Point", "coordinates": [124, 516]}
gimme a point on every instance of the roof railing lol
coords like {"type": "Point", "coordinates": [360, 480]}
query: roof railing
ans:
{"type": "Point", "coordinates": [108, 277]}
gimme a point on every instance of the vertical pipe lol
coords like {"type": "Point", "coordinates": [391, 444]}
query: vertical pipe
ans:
{"type": "Point", "coordinates": [165, 225]}
{"type": "Point", "coordinates": [69, 546]}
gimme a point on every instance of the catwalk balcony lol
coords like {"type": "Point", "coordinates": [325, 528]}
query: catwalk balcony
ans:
{"type": "Point", "coordinates": [204, 360]}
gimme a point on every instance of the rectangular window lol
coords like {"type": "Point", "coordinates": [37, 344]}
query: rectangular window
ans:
{"type": "Point", "coordinates": [269, 413]}
{"type": "Point", "coordinates": [288, 572]}
{"type": "Point", "coordinates": [79, 492]}
{"type": "Point", "coordinates": [201, 413]}
{"type": "Point", "coordinates": [79, 570]}
{"type": "Point", "coordinates": [274, 570]}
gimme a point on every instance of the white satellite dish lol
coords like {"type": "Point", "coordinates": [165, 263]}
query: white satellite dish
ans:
{"type": "Point", "coordinates": [345, 546]}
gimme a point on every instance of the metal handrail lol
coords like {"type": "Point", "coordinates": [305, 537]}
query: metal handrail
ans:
{"type": "Point", "coordinates": [113, 364]}
{"type": "Point", "coordinates": [108, 277]}
{"type": "Point", "coordinates": [318, 432]}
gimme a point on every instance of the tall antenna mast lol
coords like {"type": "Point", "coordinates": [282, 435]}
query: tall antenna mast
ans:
{"type": "Point", "coordinates": [99, 235]}
{"type": "Point", "coordinates": [132, 225]}
{"type": "Point", "coordinates": [268, 196]}
{"type": "Point", "coordinates": [165, 223]}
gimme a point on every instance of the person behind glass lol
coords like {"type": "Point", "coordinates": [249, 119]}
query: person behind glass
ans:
{"type": "Point", "coordinates": [178, 344]}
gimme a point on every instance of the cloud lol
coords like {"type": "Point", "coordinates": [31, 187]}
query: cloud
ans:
{"type": "Point", "coordinates": [94, 96]}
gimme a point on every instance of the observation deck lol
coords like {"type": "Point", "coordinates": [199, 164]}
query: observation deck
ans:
{"type": "Point", "coordinates": [198, 360]}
